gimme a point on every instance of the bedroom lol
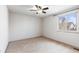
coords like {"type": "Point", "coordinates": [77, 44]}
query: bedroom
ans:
{"type": "Point", "coordinates": [39, 28]}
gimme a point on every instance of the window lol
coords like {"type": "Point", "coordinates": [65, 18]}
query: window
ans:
{"type": "Point", "coordinates": [68, 22]}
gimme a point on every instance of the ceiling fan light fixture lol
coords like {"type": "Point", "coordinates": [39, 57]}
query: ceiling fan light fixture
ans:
{"type": "Point", "coordinates": [39, 9]}
{"type": "Point", "coordinates": [34, 8]}
{"type": "Point", "coordinates": [36, 12]}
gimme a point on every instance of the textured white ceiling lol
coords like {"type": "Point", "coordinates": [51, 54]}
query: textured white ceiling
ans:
{"type": "Point", "coordinates": [53, 9]}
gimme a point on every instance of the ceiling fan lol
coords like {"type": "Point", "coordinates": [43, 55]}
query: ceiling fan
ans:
{"type": "Point", "coordinates": [39, 8]}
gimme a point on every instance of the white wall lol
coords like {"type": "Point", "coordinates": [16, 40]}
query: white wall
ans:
{"type": "Point", "coordinates": [23, 26]}
{"type": "Point", "coordinates": [3, 28]}
{"type": "Point", "coordinates": [50, 31]}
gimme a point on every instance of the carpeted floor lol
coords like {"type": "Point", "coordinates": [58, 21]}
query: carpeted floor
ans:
{"type": "Point", "coordinates": [38, 45]}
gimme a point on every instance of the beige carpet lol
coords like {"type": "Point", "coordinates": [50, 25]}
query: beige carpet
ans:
{"type": "Point", "coordinates": [38, 45]}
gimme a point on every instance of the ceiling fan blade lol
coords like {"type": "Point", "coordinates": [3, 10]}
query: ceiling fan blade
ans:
{"type": "Point", "coordinates": [33, 10]}
{"type": "Point", "coordinates": [40, 7]}
{"type": "Point", "coordinates": [45, 8]}
{"type": "Point", "coordinates": [36, 6]}
{"type": "Point", "coordinates": [43, 12]}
